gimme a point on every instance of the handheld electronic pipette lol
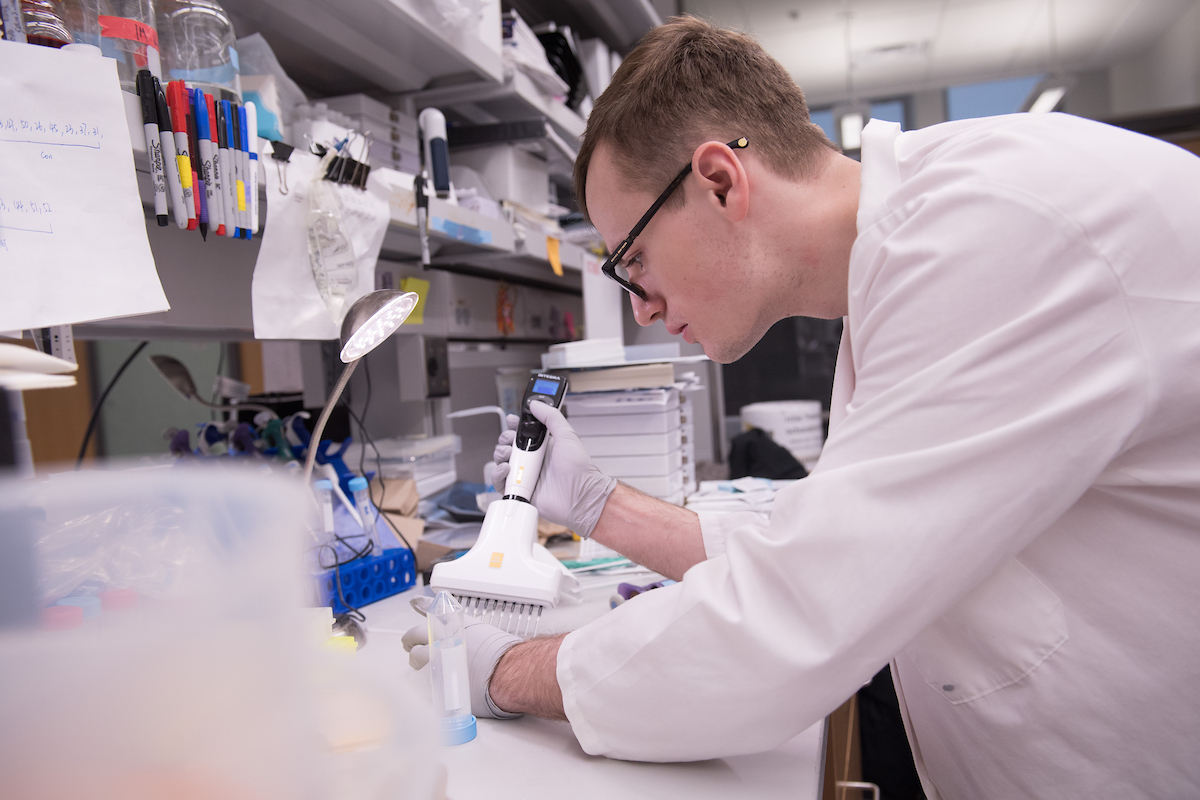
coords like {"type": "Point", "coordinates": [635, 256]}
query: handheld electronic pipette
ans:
{"type": "Point", "coordinates": [507, 577]}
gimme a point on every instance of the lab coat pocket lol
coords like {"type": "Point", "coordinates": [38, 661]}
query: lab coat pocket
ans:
{"type": "Point", "coordinates": [993, 637]}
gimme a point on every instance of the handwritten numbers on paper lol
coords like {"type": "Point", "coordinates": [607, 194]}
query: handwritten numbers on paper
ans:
{"type": "Point", "coordinates": [67, 133]}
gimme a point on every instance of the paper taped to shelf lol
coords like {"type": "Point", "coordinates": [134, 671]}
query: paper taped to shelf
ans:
{"type": "Point", "coordinates": [73, 244]}
{"type": "Point", "coordinates": [285, 300]}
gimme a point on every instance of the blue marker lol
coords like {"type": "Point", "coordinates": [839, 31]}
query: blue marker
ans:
{"type": "Point", "coordinates": [244, 185]}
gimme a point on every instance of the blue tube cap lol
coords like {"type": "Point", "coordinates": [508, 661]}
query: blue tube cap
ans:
{"type": "Point", "coordinates": [458, 730]}
{"type": "Point", "coordinates": [89, 604]}
{"type": "Point", "coordinates": [357, 483]}
{"type": "Point", "coordinates": [324, 483]}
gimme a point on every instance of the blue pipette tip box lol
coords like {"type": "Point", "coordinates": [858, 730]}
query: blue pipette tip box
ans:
{"type": "Point", "coordinates": [368, 580]}
{"type": "Point", "coordinates": [458, 730]}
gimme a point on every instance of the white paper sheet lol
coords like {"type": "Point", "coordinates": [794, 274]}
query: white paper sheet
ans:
{"type": "Point", "coordinates": [285, 299]}
{"type": "Point", "coordinates": [73, 241]}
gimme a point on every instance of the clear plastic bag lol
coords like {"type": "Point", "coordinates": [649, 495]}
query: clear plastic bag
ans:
{"type": "Point", "coordinates": [330, 253]}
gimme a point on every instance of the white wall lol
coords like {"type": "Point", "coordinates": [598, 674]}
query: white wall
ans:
{"type": "Point", "coordinates": [1166, 75]}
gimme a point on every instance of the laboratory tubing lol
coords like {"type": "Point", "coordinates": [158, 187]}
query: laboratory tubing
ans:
{"type": "Point", "coordinates": [448, 670]}
{"type": "Point", "coordinates": [198, 47]}
{"type": "Point", "coordinates": [129, 34]}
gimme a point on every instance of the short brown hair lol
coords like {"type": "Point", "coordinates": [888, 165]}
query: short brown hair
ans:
{"type": "Point", "coordinates": [686, 83]}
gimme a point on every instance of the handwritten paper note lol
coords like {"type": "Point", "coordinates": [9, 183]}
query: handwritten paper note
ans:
{"type": "Point", "coordinates": [73, 241]}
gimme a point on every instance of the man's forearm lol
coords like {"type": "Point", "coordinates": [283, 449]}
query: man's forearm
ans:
{"type": "Point", "coordinates": [525, 680]}
{"type": "Point", "coordinates": [650, 532]}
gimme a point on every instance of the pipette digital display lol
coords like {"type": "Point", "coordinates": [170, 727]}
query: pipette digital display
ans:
{"type": "Point", "coordinates": [526, 460]}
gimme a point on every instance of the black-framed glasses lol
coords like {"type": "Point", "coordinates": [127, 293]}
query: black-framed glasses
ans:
{"type": "Point", "coordinates": [612, 263]}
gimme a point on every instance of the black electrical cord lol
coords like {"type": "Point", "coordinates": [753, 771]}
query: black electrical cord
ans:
{"type": "Point", "coordinates": [103, 396]}
{"type": "Point", "coordinates": [362, 455]}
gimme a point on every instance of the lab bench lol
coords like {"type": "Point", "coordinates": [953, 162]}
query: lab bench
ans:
{"type": "Point", "coordinates": [534, 758]}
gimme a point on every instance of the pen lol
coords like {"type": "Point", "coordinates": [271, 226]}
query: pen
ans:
{"type": "Point", "coordinates": [197, 162]}
{"type": "Point", "coordinates": [182, 152]}
{"type": "Point", "coordinates": [245, 162]}
{"type": "Point", "coordinates": [230, 163]}
{"type": "Point", "coordinates": [170, 159]}
{"type": "Point", "coordinates": [145, 90]}
{"type": "Point", "coordinates": [216, 198]}
{"type": "Point", "coordinates": [252, 134]}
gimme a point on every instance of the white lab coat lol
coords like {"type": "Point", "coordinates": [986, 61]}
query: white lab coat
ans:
{"type": "Point", "coordinates": [1008, 505]}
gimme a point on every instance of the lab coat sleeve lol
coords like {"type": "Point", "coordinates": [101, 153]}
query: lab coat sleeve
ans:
{"type": "Point", "coordinates": [996, 373]}
{"type": "Point", "coordinates": [715, 528]}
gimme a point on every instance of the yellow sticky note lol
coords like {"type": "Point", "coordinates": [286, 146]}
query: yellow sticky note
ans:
{"type": "Point", "coordinates": [552, 255]}
{"type": "Point", "coordinates": [421, 287]}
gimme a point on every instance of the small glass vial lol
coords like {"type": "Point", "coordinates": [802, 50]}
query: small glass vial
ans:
{"type": "Point", "coordinates": [448, 666]}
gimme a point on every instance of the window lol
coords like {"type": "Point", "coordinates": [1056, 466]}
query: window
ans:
{"type": "Point", "coordinates": [889, 110]}
{"type": "Point", "coordinates": [824, 118]}
{"type": "Point", "coordinates": [989, 99]}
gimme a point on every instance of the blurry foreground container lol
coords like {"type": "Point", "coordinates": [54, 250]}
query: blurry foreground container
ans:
{"type": "Point", "coordinates": [207, 687]}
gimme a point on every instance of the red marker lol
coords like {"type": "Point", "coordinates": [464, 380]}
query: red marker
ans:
{"type": "Point", "coordinates": [216, 206]}
{"type": "Point", "coordinates": [178, 103]}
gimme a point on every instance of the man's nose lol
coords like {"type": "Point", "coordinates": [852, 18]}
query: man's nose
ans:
{"type": "Point", "coordinates": [646, 311]}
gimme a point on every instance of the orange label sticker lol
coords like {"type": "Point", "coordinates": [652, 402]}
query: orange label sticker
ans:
{"type": "Point", "coordinates": [520, 475]}
{"type": "Point", "coordinates": [497, 560]}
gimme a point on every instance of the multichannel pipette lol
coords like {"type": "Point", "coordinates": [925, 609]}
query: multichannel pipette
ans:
{"type": "Point", "coordinates": [507, 578]}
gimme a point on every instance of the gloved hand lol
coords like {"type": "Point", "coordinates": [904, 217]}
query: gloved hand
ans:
{"type": "Point", "coordinates": [485, 645]}
{"type": "Point", "coordinates": [571, 490]}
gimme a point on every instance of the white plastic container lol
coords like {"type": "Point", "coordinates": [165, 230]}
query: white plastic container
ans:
{"type": "Point", "coordinates": [635, 466]}
{"type": "Point", "coordinates": [510, 173]}
{"type": "Point", "coordinates": [645, 445]}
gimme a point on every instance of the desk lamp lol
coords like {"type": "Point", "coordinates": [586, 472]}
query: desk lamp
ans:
{"type": "Point", "coordinates": [373, 318]}
{"type": "Point", "coordinates": [180, 379]}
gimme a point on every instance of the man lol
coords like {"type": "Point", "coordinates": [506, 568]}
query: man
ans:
{"type": "Point", "coordinates": [1008, 504]}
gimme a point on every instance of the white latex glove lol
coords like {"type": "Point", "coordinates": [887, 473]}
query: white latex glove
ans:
{"type": "Point", "coordinates": [485, 644]}
{"type": "Point", "coordinates": [572, 490]}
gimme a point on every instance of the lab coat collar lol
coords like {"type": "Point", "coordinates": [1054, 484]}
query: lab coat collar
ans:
{"type": "Point", "coordinates": [880, 170]}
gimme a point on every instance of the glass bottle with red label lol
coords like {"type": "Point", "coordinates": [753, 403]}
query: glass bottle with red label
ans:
{"type": "Point", "coordinates": [128, 34]}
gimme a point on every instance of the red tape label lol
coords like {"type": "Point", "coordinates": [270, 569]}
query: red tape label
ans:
{"type": "Point", "coordinates": [131, 29]}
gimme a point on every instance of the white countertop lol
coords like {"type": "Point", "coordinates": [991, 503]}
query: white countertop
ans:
{"type": "Point", "coordinates": [532, 758]}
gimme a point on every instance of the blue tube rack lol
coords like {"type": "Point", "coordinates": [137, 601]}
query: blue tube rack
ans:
{"type": "Point", "coordinates": [368, 580]}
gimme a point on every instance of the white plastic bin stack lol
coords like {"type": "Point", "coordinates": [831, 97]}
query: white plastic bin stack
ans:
{"type": "Point", "coordinates": [793, 424]}
{"type": "Point", "coordinates": [638, 437]}
{"type": "Point", "coordinates": [395, 142]}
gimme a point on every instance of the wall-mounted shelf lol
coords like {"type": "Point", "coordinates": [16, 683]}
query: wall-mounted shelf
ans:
{"type": "Point", "coordinates": [208, 282]}
{"type": "Point", "coordinates": [386, 45]}
{"type": "Point", "coordinates": [514, 98]}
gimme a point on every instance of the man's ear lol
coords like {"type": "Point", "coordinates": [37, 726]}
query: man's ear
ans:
{"type": "Point", "coordinates": [723, 179]}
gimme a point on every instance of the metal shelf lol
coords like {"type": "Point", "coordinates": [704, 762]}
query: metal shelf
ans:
{"type": "Point", "coordinates": [620, 23]}
{"type": "Point", "coordinates": [388, 45]}
{"type": "Point", "coordinates": [515, 98]}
